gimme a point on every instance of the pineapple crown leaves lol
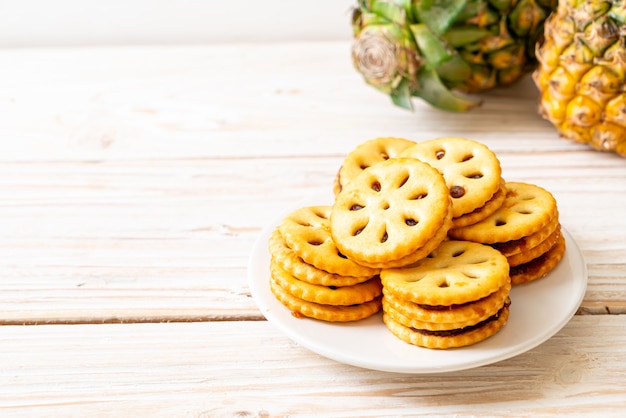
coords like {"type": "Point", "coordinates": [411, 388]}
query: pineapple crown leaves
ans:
{"type": "Point", "coordinates": [618, 11]}
{"type": "Point", "coordinates": [401, 57]}
{"type": "Point", "coordinates": [385, 52]}
{"type": "Point", "coordinates": [439, 15]}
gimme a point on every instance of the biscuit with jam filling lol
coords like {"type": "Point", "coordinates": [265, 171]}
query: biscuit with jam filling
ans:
{"type": "Point", "coordinates": [454, 338]}
{"type": "Point", "coordinates": [457, 296]}
{"type": "Point", "coordinates": [471, 170]}
{"type": "Point", "coordinates": [527, 209]}
{"type": "Point", "coordinates": [540, 266]}
{"type": "Point", "coordinates": [389, 211]}
{"type": "Point", "coordinates": [301, 308]}
{"type": "Point", "coordinates": [367, 154]}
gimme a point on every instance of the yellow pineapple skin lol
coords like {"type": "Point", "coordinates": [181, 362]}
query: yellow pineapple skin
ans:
{"type": "Point", "coordinates": [581, 73]}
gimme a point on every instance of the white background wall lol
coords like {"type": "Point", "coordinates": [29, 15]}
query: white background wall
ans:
{"type": "Point", "coordinates": [114, 22]}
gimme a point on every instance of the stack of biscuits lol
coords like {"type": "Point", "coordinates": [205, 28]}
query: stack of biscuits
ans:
{"type": "Point", "coordinates": [312, 278]}
{"type": "Point", "coordinates": [472, 174]}
{"type": "Point", "coordinates": [429, 232]}
{"type": "Point", "coordinates": [391, 214]}
{"type": "Point", "coordinates": [518, 219]}
{"type": "Point", "coordinates": [367, 154]}
{"type": "Point", "coordinates": [525, 229]}
{"type": "Point", "coordinates": [457, 296]}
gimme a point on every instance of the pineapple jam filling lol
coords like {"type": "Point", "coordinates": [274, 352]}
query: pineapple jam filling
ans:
{"type": "Point", "coordinates": [450, 307]}
{"type": "Point", "coordinates": [457, 192]}
{"type": "Point", "coordinates": [459, 331]}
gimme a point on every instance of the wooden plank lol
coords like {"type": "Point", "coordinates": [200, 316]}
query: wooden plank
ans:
{"type": "Point", "coordinates": [130, 242]}
{"type": "Point", "coordinates": [230, 101]}
{"type": "Point", "coordinates": [225, 369]}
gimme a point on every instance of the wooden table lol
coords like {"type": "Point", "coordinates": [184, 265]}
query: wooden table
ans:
{"type": "Point", "coordinates": [135, 182]}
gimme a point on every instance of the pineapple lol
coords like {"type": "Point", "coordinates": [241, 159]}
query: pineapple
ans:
{"type": "Point", "coordinates": [582, 70]}
{"type": "Point", "coordinates": [434, 49]}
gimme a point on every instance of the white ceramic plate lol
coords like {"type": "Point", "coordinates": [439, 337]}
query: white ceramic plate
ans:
{"type": "Point", "coordinates": [538, 310]}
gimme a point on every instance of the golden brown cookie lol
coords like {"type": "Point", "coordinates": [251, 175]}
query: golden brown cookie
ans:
{"type": "Point", "coordinates": [527, 208]}
{"type": "Point", "coordinates": [540, 266]}
{"type": "Point", "coordinates": [389, 211]}
{"type": "Point", "coordinates": [511, 248]}
{"type": "Point", "coordinates": [336, 184]}
{"type": "Point", "coordinates": [449, 338]}
{"type": "Point", "coordinates": [330, 313]}
{"type": "Point", "coordinates": [289, 261]}
{"type": "Point", "coordinates": [367, 154]}
{"type": "Point", "coordinates": [471, 170]}
{"type": "Point", "coordinates": [474, 311]}
{"type": "Point", "coordinates": [534, 252]}
{"type": "Point", "coordinates": [327, 295]}
{"type": "Point", "coordinates": [456, 272]}
{"type": "Point", "coordinates": [440, 236]}
{"type": "Point", "coordinates": [410, 322]}
{"type": "Point", "coordinates": [307, 232]}
{"type": "Point", "coordinates": [484, 211]}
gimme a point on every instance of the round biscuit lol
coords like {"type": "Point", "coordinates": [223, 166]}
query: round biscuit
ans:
{"type": "Point", "coordinates": [440, 236]}
{"type": "Point", "coordinates": [307, 232]}
{"type": "Point", "coordinates": [536, 251]}
{"type": "Point", "coordinates": [423, 325]}
{"type": "Point", "coordinates": [431, 339]}
{"type": "Point", "coordinates": [389, 211]}
{"type": "Point", "coordinates": [336, 184]}
{"type": "Point", "coordinates": [471, 170]}
{"type": "Point", "coordinates": [327, 295]}
{"type": "Point", "coordinates": [456, 272]}
{"type": "Point", "coordinates": [540, 266]}
{"type": "Point", "coordinates": [289, 261]}
{"type": "Point", "coordinates": [511, 248]}
{"type": "Point", "coordinates": [474, 311]}
{"type": "Point", "coordinates": [526, 209]}
{"type": "Point", "coordinates": [484, 211]}
{"type": "Point", "coordinates": [366, 155]}
{"type": "Point", "coordinates": [329, 313]}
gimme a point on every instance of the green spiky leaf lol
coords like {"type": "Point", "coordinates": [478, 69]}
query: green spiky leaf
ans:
{"type": "Point", "coordinates": [456, 70]}
{"type": "Point", "coordinates": [475, 8]}
{"type": "Point", "coordinates": [439, 15]}
{"type": "Point", "coordinates": [437, 94]}
{"type": "Point", "coordinates": [465, 35]}
{"type": "Point", "coordinates": [395, 11]}
{"type": "Point", "coordinates": [370, 19]}
{"type": "Point", "coordinates": [401, 95]}
{"type": "Point", "coordinates": [432, 48]}
{"type": "Point", "coordinates": [618, 11]}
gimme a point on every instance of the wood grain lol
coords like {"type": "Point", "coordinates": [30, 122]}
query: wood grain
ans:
{"type": "Point", "coordinates": [230, 369]}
